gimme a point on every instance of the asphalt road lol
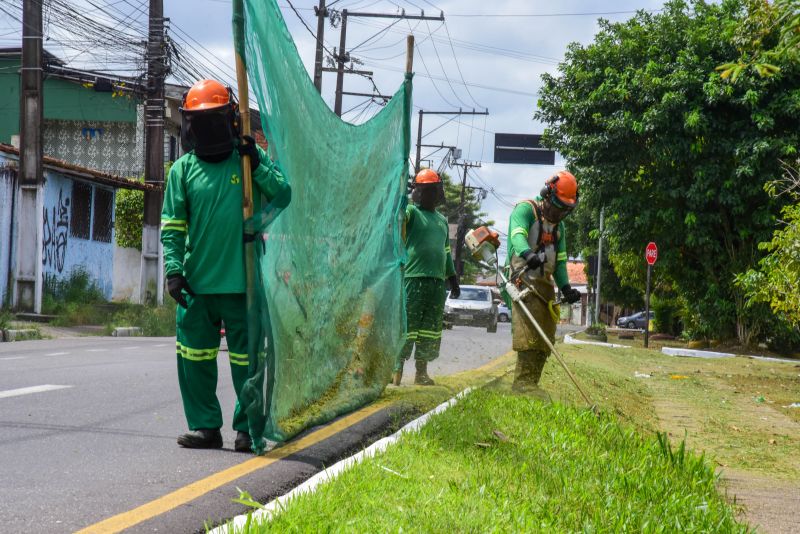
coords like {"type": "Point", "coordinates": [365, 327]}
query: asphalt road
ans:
{"type": "Point", "coordinates": [89, 427]}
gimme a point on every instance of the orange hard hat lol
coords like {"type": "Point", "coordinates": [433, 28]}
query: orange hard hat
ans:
{"type": "Point", "coordinates": [427, 176]}
{"type": "Point", "coordinates": [562, 190]}
{"type": "Point", "coordinates": [206, 94]}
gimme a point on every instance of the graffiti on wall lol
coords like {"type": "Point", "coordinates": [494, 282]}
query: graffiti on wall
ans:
{"type": "Point", "coordinates": [55, 233]}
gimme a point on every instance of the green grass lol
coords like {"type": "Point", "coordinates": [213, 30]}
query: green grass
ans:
{"type": "Point", "coordinates": [505, 463]}
{"type": "Point", "coordinates": [154, 321]}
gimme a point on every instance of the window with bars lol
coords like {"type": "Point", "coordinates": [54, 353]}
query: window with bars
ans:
{"type": "Point", "coordinates": [81, 210]}
{"type": "Point", "coordinates": [103, 220]}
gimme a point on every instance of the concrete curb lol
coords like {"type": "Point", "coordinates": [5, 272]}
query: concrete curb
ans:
{"type": "Point", "coordinates": [10, 334]}
{"type": "Point", "coordinates": [569, 340]}
{"type": "Point", "coordinates": [310, 485]}
{"type": "Point", "coordinates": [692, 353]}
{"type": "Point", "coordinates": [127, 331]}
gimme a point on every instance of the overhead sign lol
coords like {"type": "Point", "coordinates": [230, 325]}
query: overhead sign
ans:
{"type": "Point", "coordinates": [651, 253]}
{"type": "Point", "coordinates": [522, 149]}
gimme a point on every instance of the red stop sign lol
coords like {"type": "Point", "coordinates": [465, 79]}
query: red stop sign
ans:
{"type": "Point", "coordinates": [651, 253]}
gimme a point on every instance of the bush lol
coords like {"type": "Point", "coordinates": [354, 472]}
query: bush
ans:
{"type": "Point", "coordinates": [5, 318]}
{"type": "Point", "coordinates": [79, 287]}
{"type": "Point", "coordinates": [666, 313]}
{"type": "Point", "coordinates": [154, 321]}
{"type": "Point", "coordinates": [783, 338]}
{"type": "Point", "coordinates": [129, 213]}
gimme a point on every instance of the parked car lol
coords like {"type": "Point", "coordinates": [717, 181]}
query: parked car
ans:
{"type": "Point", "coordinates": [503, 313]}
{"type": "Point", "coordinates": [474, 307]}
{"type": "Point", "coordinates": [637, 320]}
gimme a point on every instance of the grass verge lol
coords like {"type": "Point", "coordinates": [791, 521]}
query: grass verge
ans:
{"type": "Point", "coordinates": [154, 321]}
{"type": "Point", "coordinates": [500, 462]}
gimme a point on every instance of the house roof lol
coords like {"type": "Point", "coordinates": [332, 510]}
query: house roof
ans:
{"type": "Point", "coordinates": [576, 273]}
{"type": "Point", "coordinates": [84, 173]}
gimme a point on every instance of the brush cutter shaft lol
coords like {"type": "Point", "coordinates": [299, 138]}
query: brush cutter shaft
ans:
{"type": "Point", "coordinates": [518, 296]}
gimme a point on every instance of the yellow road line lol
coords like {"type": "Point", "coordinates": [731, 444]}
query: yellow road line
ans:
{"type": "Point", "coordinates": [197, 489]}
{"type": "Point", "coordinates": [194, 490]}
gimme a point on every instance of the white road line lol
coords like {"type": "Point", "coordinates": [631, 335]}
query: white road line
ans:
{"type": "Point", "coordinates": [130, 348]}
{"type": "Point", "coordinates": [13, 358]}
{"type": "Point", "coordinates": [57, 354]}
{"type": "Point", "coordinates": [162, 345]}
{"type": "Point", "coordinates": [97, 350]}
{"type": "Point", "coordinates": [29, 390]}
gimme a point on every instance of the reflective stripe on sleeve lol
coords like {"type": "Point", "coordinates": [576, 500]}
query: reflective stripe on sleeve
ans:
{"type": "Point", "coordinates": [174, 224]}
{"type": "Point", "coordinates": [519, 231]}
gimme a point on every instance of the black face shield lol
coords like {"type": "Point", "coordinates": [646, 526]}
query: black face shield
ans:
{"type": "Point", "coordinates": [428, 196]}
{"type": "Point", "coordinates": [211, 133]}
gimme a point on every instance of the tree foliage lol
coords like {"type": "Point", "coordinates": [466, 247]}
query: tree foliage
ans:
{"type": "Point", "coordinates": [129, 218]}
{"type": "Point", "coordinates": [674, 153]}
{"type": "Point", "coordinates": [768, 36]}
{"type": "Point", "coordinates": [777, 279]}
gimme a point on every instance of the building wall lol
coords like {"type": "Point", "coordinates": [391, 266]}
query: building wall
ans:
{"type": "Point", "coordinates": [127, 274]}
{"type": "Point", "coordinates": [63, 100]}
{"type": "Point", "coordinates": [106, 146]}
{"type": "Point", "coordinates": [7, 178]}
{"type": "Point", "coordinates": [62, 250]}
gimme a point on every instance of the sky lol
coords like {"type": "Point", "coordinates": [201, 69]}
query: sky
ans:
{"type": "Point", "coordinates": [486, 55]}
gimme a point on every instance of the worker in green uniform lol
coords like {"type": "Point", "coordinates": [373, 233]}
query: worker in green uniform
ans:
{"type": "Point", "coordinates": [202, 230]}
{"type": "Point", "coordinates": [429, 264]}
{"type": "Point", "coordinates": [538, 254]}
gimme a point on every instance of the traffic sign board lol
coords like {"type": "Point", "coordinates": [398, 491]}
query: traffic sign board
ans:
{"type": "Point", "coordinates": [651, 253]}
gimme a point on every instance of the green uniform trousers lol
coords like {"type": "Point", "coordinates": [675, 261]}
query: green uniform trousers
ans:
{"type": "Point", "coordinates": [198, 329]}
{"type": "Point", "coordinates": [532, 351]}
{"type": "Point", "coordinates": [424, 310]}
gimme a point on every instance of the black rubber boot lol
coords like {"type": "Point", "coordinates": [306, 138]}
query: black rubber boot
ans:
{"type": "Point", "coordinates": [422, 378]}
{"type": "Point", "coordinates": [203, 438]}
{"type": "Point", "coordinates": [243, 443]}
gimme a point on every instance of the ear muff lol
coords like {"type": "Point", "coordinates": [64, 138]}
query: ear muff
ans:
{"type": "Point", "coordinates": [549, 185]}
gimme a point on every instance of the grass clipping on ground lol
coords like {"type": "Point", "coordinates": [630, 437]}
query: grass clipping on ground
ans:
{"type": "Point", "coordinates": [500, 462]}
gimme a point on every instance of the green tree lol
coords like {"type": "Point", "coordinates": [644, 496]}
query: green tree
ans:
{"type": "Point", "coordinates": [675, 154]}
{"type": "Point", "coordinates": [129, 218]}
{"type": "Point", "coordinates": [768, 36]}
{"type": "Point", "coordinates": [777, 279]}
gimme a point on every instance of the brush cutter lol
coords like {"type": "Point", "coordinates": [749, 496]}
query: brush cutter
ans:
{"type": "Point", "coordinates": [483, 244]}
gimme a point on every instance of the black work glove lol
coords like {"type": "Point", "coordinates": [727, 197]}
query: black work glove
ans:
{"type": "Point", "coordinates": [176, 285]}
{"type": "Point", "coordinates": [455, 289]}
{"type": "Point", "coordinates": [247, 147]}
{"type": "Point", "coordinates": [570, 295]}
{"type": "Point", "coordinates": [533, 259]}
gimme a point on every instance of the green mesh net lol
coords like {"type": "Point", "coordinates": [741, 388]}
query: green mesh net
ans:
{"type": "Point", "coordinates": [327, 319]}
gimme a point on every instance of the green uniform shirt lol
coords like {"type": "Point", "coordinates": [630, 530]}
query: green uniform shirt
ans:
{"type": "Point", "coordinates": [522, 218]}
{"type": "Point", "coordinates": [202, 226]}
{"type": "Point", "coordinates": [428, 244]}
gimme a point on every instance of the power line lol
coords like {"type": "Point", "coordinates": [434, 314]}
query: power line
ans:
{"type": "Point", "coordinates": [551, 15]}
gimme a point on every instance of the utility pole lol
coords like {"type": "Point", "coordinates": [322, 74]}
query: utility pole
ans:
{"type": "Point", "coordinates": [342, 56]}
{"type": "Point", "coordinates": [419, 128]}
{"type": "Point", "coordinates": [322, 14]}
{"type": "Point", "coordinates": [599, 270]}
{"type": "Point", "coordinates": [460, 233]}
{"type": "Point", "coordinates": [152, 277]}
{"type": "Point", "coordinates": [27, 292]}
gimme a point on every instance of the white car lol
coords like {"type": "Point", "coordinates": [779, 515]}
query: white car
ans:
{"type": "Point", "coordinates": [474, 307]}
{"type": "Point", "coordinates": [503, 313]}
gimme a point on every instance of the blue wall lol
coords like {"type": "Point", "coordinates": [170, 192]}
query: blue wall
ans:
{"type": "Point", "coordinates": [63, 253]}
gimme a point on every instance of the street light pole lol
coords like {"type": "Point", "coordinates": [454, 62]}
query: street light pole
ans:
{"type": "Point", "coordinates": [599, 270]}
